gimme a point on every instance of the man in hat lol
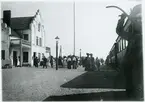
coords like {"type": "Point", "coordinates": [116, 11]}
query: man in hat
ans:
{"type": "Point", "coordinates": [87, 62]}
{"type": "Point", "coordinates": [92, 62]}
{"type": "Point", "coordinates": [98, 63]}
{"type": "Point", "coordinates": [69, 61]}
{"type": "Point", "coordinates": [133, 60]}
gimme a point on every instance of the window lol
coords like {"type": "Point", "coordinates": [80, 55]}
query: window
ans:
{"type": "Point", "coordinates": [25, 36]}
{"type": "Point", "coordinates": [123, 44]}
{"type": "Point", "coordinates": [37, 40]}
{"type": "Point", "coordinates": [40, 41]}
{"type": "Point", "coordinates": [3, 54]}
{"type": "Point", "coordinates": [39, 26]}
{"type": "Point", "coordinates": [126, 43]}
{"type": "Point", "coordinates": [120, 45]}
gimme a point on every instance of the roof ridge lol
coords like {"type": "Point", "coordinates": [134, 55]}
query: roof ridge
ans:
{"type": "Point", "coordinates": [23, 17]}
{"type": "Point", "coordinates": [21, 22]}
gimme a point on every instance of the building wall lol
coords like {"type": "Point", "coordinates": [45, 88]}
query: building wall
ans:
{"type": "Point", "coordinates": [5, 43]}
{"type": "Point", "coordinates": [24, 49]}
{"type": "Point", "coordinates": [17, 49]}
{"type": "Point", "coordinates": [33, 32]}
{"type": "Point", "coordinates": [36, 32]}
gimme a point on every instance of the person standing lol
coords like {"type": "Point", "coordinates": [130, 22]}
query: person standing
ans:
{"type": "Point", "coordinates": [87, 62]}
{"type": "Point", "coordinates": [92, 63]}
{"type": "Point", "coordinates": [65, 62]}
{"type": "Point", "coordinates": [44, 62]}
{"type": "Point", "coordinates": [48, 61]}
{"type": "Point", "coordinates": [133, 59]}
{"type": "Point", "coordinates": [51, 61]}
{"type": "Point", "coordinates": [77, 62]}
{"type": "Point", "coordinates": [36, 62]}
{"type": "Point", "coordinates": [60, 61]}
{"type": "Point", "coordinates": [34, 58]}
{"type": "Point", "coordinates": [19, 62]}
{"type": "Point", "coordinates": [74, 61]}
{"type": "Point", "coordinates": [98, 63]}
{"type": "Point", "coordinates": [83, 61]}
{"type": "Point", "coordinates": [69, 61]}
{"type": "Point", "coordinates": [15, 61]}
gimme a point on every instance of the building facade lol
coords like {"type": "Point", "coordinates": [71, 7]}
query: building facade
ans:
{"type": "Point", "coordinates": [38, 47]}
{"type": "Point", "coordinates": [48, 52]}
{"type": "Point", "coordinates": [27, 40]}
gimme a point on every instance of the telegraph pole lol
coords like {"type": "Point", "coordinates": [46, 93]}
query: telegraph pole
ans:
{"type": "Point", "coordinates": [74, 25]}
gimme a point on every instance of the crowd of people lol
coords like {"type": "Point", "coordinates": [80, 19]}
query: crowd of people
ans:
{"type": "Point", "coordinates": [90, 63]}
{"type": "Point", "coordinates": [66, 61]}
{"type": "Point", "coordinates": [70, 62]}
{"type": "Point", "coordinates": [43, 63]}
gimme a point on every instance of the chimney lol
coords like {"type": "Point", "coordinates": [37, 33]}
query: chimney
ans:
{"type": "Point", "coordinates": [7, 17]}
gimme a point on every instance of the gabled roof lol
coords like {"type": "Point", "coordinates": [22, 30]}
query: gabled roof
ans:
{"type": "Point", "coordinates": [13, 33]}
{"type": "Point", "coordinates": [21, 22]}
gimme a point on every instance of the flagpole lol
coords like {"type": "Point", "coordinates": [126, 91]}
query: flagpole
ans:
{"type": "Point", "coordinates": [74, 25]}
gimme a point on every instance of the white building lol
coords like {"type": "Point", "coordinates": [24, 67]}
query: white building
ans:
{"type": "Point", "coordinates": [5, 44]}
{"type": "Point", "coordinates": [27, 39]}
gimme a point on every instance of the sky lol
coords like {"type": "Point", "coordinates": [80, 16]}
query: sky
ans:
{"type": "Point", "coordinates": [94, 23]}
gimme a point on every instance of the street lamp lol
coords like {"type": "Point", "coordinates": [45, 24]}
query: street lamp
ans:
{"type": "Point", "coordinates": [57, 38]}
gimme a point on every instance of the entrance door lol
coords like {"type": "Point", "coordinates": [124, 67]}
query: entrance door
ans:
{"type": "Point", "coordinates": [25, 57]}
{"type": "Point", "coordinates": [15, 58]}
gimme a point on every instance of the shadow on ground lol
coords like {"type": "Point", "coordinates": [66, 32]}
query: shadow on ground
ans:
{"type": "Point", "coordinates": [101, 79]}
{"type": "Point", "coordinates": [106, 96]}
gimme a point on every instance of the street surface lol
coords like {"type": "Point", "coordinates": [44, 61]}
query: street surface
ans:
{"type": "Point", "coordinates": [37, 84]}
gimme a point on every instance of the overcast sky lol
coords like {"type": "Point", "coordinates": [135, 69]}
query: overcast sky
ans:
{"type": "Point", "coordinates": [95, 25]}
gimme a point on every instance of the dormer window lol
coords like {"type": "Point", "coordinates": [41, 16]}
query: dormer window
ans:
{"type": "Point", "coordinates": [25, 36]}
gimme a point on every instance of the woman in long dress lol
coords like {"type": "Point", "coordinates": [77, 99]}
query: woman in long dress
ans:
{"type": "Point", "coordinates": [18, 62]}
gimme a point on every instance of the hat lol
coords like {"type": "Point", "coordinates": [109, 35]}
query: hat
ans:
{"type": "Point", "coordinates": [136, 11]}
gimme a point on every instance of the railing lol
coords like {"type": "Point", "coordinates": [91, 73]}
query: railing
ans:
{"type": "Point", "coordinates": [25, 42]}
{"type": "Point", "coordinates": [17, 42]}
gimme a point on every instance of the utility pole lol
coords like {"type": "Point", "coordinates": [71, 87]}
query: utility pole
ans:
{"type": "Point", "coordinates": [74, 24]}
{"type": "Point", "coordinates": [57, 38]}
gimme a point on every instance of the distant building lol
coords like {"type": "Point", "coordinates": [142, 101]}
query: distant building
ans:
{"type": "Point", "coordinates": [48, 52]}
{"type": "Point", "coordinates": [27, 39]}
